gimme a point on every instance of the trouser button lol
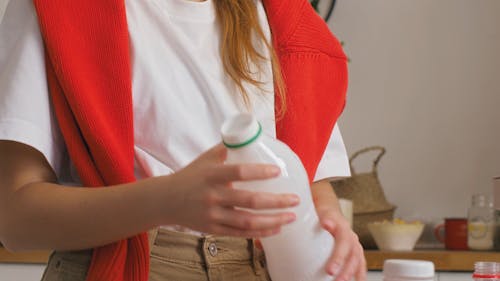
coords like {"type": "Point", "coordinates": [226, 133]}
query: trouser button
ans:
{"type": "Point", "coordinates": [212, 249]}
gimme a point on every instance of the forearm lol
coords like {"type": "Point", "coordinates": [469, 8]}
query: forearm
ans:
{"type": "Point", "coordinates": [37, 214]}
{"type": "Point", "coordinates": [51, 216]}
{"type": "Point", "coordinates": [324, 196]}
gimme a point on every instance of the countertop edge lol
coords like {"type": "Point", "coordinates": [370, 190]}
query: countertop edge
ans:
{"type": "Point", "coordinates": [32, 257]}
{"type": "Point", "coordinates": [459, 261]}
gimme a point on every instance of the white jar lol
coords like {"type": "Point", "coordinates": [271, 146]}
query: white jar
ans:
{"type": "Point", "coordinates": [406, 270]}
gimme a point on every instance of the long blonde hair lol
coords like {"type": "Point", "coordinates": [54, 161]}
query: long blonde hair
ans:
{"type": "Point", "coordinates": [239, 27]}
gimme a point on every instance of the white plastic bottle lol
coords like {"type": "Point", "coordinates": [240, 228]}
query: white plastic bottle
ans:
{"type": "Point", "coordinates": [300, 251]}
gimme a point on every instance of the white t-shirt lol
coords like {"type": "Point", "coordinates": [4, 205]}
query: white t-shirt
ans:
{"type": "Point", "coordinates": [181, 94]}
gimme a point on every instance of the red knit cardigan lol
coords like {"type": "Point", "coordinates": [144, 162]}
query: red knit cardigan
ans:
{"type": "Point", "coordinates": [89, 75]}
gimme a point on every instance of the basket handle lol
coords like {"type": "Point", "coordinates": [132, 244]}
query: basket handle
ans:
{"type": "Point", "coordinates": [364, 150]}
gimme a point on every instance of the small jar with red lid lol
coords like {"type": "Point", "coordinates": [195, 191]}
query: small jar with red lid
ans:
{"type": "Point", "coordinates": [486, 271]}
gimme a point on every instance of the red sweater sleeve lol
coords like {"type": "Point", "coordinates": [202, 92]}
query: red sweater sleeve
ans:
{"type": "Point", "coordinates": [314, 68]}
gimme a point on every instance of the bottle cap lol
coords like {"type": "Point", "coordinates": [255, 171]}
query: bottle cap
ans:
{"type": "Point", "coordinates": [240, 130]}
{"type": "Point", "coordinates": [408, 268]}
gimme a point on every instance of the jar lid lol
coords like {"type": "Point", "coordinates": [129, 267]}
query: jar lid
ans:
{"type": "Point", "coordinates": [408, 268]}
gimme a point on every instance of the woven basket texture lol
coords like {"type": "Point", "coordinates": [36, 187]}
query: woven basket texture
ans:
{"type": "Point", "coordinates": [368, 197]}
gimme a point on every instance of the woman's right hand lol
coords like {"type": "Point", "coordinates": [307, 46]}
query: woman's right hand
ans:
{"type": "Point", "coordinates": [203, 199]}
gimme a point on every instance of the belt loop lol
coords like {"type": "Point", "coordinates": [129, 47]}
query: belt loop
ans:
{"type": "Point", "coordinates": [204, 241]}
{"type": "Point", "coordinates": [255, 257]}
{"type": "Point", "coordinates": [152, 234]}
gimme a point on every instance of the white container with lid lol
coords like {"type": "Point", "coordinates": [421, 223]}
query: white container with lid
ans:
{"type": "Point", "coordinates": [302, 248]}
{"type": "Point", "coordinates": [406, 270]}
{"type": "Point", "coordinates": [486, 271]}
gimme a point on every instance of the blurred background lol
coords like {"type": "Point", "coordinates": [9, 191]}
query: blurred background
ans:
{"type": "Point", "coordinates": [425, 84]}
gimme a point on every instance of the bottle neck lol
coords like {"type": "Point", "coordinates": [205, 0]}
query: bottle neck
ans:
{"type": "Point", "coordinates": [481, 200]}
{"type": "Point", "coordinates": [245, 143]}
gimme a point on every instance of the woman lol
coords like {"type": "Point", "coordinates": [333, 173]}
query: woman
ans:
{"type": "Point", "coordinates": [137, 93]}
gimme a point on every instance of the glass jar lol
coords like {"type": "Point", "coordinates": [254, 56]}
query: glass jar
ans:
{"type": "Point", "coordinates": [486, 271]}
{"type": "Point", "coordinates": [496, 203]}
{"type": "Point", "coordinates": [481, 223]}
{"type": "Point", "coordinates": [497, 230]}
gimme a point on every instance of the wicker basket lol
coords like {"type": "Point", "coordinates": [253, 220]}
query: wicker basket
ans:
{"type": "Point", "coordinates": [367, 195]}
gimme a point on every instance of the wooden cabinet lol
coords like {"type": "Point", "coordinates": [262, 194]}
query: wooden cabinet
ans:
{"type": "Point", "coordinates": [440, 276]}
{"type": "Point", "coordinates": [443, 260]}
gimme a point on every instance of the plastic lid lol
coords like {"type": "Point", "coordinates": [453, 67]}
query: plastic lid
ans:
{"type": "Point", "coordinates": [408, 269]}
{"type": "Point", "coordinates": [240, 130]}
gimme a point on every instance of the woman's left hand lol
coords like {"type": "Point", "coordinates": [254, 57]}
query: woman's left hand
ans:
{"type": "Point", "coordinates": [347, 260]}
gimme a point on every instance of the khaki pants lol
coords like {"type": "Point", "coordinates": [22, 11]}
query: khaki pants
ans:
{"type": "Point", "coordinates": [178, 257]}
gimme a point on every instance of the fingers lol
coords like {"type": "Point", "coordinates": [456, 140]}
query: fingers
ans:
{"type": "Point", "coordinates": [242, 223]}
{"type": "Point", "coordinates": [230, 231]}
{"type": "Point", "coordinates": [354, 266]}
{"type": "Point", "coordinates": [347, 259]}
{"type": "Point", "coordinates": [258, 200]}
{"type": "Point", "coordinates": [362, 270]}
{"type": "Point", "coordinates": [245, 220]}
{"type": "Point", "coordinates": [244, 172]}
{"type": "Point", "coordinates": [342, 247]}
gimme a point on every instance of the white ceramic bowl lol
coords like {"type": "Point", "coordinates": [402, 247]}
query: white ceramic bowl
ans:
{"type": "Point", "coordinates": [391, 236]}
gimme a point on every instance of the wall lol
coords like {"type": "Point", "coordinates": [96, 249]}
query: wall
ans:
{"type": "Point", "coordinates": [424, 83]}
{"type": "Point", "coordinates": [3, 6]}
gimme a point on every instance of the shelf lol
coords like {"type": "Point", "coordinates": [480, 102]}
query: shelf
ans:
{"type": "Point", "coordinates": [443, 260]}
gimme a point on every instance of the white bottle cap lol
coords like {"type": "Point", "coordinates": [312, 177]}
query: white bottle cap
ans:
{"type": "Point", "coordinates": [240, 130]}
{"type": "Point", "coordinates": [408, 269]}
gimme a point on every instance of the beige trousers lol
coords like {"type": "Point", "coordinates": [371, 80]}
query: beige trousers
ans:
{"type": "Point", "coordinates": [177, 256]}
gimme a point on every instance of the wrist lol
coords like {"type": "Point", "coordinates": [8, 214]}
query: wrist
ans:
{"type": "Point", "coordinates": [324, 197]}
{"type": "Point", "coordinates": [167, 199]}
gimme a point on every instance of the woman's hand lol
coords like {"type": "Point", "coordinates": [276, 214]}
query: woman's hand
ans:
{"type": "Point", "coordinates": [347, 259]}
{"type": "Point", "coordinates": [203, 199]}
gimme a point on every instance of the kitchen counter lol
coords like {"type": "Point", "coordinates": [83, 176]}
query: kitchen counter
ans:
{"type": "Point", "coordinates": [25, 257]}
{"type": "Point", "coordinates": [443, 260]}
